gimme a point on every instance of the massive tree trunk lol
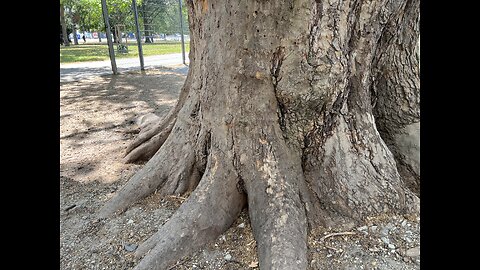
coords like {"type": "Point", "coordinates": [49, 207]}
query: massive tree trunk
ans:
{"type": "Point", "coordinates": [64, 26]}
{"type": "Point", "coordinates": [305, 110]}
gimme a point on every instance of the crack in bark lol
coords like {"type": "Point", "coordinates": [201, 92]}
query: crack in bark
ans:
{"type": "Point", "coordinates": [276, 65]}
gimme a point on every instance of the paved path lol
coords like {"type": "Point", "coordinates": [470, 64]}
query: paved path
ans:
{"type": "Point", "coordinates": [77, 71]}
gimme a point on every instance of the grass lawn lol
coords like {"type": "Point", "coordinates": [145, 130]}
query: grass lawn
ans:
{"type": "Point", "coordinates": [98, 52]}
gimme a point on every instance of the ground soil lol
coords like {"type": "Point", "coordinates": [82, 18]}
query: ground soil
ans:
{"type": "Point", "coordinates": [98, 119]}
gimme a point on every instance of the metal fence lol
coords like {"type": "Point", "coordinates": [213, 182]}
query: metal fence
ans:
{"type": "Point", "coordinates": [154, 21]}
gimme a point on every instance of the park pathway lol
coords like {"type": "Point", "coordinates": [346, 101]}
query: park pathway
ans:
{"type": "Point", "coordinates": [78, 71]}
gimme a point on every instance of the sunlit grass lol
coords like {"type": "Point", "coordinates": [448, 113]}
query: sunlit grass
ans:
{"type": "Point", "coordinates": [98, 52]}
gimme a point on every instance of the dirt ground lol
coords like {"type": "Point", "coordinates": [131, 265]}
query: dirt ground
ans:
{"type": "Point", "coordinates": [98, 120]}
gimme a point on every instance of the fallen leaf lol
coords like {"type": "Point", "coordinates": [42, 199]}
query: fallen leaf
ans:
{"type": "Point", "coordinates": [253, 264]}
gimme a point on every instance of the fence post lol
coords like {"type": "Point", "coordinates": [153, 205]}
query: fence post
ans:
{"type": "Point", "coordinates": [111, 52]}
{"type": "Point", "coordinates": [139, 40]}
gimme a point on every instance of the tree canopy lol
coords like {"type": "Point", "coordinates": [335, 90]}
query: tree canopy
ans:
{"type": "Point", "coordinates": [87, 14]}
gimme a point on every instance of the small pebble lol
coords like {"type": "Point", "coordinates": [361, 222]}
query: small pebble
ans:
{"type": "Point", "coordinates": [228, 257]}
{"type": "Point", "coordinates": [413, 252]}
{"type": "Point", "coordinates": [241, 225]}
{"type": "Point", "coordinates": [391, 246]}
{"type": "Point", "coordinates": [363, 228]}
{"type": "Point", "coordinates": [130, 247]}
{"type": "Point", "coordinates": [385, 240]}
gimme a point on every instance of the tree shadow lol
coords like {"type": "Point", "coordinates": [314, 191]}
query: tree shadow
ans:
{"type": "Point", "coordinates": [98, 120]}
{"type": "Point", "coordinates": [158, 89]}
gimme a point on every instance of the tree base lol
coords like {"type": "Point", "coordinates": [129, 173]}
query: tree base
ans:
{"type": "Point", "coordinates": [286, 127]}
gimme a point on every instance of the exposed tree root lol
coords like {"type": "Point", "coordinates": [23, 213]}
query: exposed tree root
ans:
{"type": "Point", "coordinates": [170, 166]}
{"type": "Point", "coordinates": [357, 174]}
{"type": "Point", "coordinates": [277, 213]}
{"type": "Point", "coordinates": [152, 136]}
{"type": "Point", "coordinates": [208, 212]}
{"type": "Point", "coordinates": [148, 143]}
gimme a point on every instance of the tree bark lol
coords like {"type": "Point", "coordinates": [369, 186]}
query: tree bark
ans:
{"type": "Point", "coordinates": [396, 91]}
{"type": "Point", "coordinates": [115, 34]}
{"type": "Point", "coordinates": [64, 26]}
{"type": "Point", "coordinates": [75, 39]}
{"type": "Point", "coordinates": [291, 107]}
{"type": "Point", "coordinates": [148, 31]}
{"type": "Point", "coordinates": [146, 23]}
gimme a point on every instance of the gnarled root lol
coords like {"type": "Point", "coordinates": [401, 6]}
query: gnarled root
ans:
{"type": "Point", "coordinates": [153, 135]}
{"type": "Point", "coordinates": [208, 212]}
{"type": "Point", "coordinates": [356, 174]}
{"type": "Point", "coordinates": [277, 212]}
{"type": "Point", "coordinates": [148, 142]}
{"type": "Point", "coordinates": [172, 165]}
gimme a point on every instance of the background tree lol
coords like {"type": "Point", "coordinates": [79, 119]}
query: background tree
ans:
{"type": "Point", "coordinates": [90, 12]}
{"type": "Point", "coordinates": [169, 21]}
{"type": "Point", "coordinates": [306, 111]}
{"type": "Point", "coordinates": [149, 11]}
{"type": "Point", "coordinates": [120, 13]}
{"type": "Point", "coordinates": [63, 25]}
{"type": "Point", "coordinates": [72, 16]}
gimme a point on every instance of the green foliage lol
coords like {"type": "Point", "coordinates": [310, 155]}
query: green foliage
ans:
{"type": "Point", "coordinates": [120, 12]}
{"type": "Point", "coordinates": [169, 21]}
{"type": "Point", "coordinates": [88, 16]}
{"type": "Point", "coordinates": [91, 17]}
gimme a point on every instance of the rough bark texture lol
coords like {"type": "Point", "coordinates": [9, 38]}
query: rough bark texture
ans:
{"type": "Point", "coordinates": [295, 105]}
{"type": "Point", "coordinates": [396, 91]}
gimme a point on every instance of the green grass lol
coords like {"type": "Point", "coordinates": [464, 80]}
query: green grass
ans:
{"type": "Point", "coordinates": [98, 52]}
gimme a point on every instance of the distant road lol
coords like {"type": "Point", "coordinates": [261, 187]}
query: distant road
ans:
{"type": "Point", "coordinates": [71, 72]}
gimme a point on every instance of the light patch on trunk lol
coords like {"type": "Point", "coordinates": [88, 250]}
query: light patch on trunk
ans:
{"type": "Point", "coordinates": [215, 165]}
{"type": "Point", "coordinates": [243, 159]}
{"type": "Point", "coordinates": [259, 75]}
{"type": "Point", "coordinates": [269, 169]}
{"type": "Point", "coordinates": [204, 4]}
{"type": "Point", "coordinates": [275, 189]}
{"type": "Point", "coordinates": [407, 140]}
{"type": "Point", "coordinates": [283, 219]}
